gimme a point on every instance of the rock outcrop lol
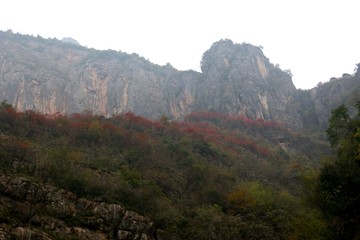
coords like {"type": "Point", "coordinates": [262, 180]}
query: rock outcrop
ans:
{"type": "Point", "coordinates": [327, 96]}
{"type": "Point", "coordinates": [35, 211]}
{"type": "Point", "coordinates": [240, 80]}
{"type": "Point", "coordinates": [50, 76]}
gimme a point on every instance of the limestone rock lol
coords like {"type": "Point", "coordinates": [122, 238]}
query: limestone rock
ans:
{"type": "Point", "coordinates": [36, 208]}
{"type": "Point", "coordinates": [240, 80]}
{"type": "Point", "coordinates": [50, 76]}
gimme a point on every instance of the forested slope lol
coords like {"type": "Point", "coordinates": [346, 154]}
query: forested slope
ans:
{"type": "Point", "coordinates": [211, 176]}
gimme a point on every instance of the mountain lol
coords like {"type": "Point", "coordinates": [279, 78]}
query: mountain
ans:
{"type": "Point", "coordinates": [87, 164]}
{"type": "Point", "coordinates": [240, 80]}
{"type": "Point", "coordinates": [51, 76]}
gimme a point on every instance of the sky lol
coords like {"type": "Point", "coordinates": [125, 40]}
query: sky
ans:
{"type": "Point", "coordinates": [315, 39]}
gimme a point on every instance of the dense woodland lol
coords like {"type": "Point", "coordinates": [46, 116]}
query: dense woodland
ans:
{"type": "Point", "coordinates": [210, 176]}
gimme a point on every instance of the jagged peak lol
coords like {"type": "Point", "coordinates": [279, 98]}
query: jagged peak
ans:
{"type": "Point", "coordinates": [222, 52]}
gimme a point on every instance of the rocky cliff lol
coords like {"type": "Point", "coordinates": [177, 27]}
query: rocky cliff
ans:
{"type": "Point", "coordinates": [34, 211]}
{"type": "Point", "coordinates": [51, 76]}
{"type": "Point", "coordinates": [327, 96]}
{"type": "Point", "coordinates": [240, 80]}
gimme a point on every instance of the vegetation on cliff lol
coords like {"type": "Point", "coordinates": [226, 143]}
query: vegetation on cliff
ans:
{"type": "Point", "coordinates": [211, 176]}
{"type": "Point", "coordinates": [337, 189]}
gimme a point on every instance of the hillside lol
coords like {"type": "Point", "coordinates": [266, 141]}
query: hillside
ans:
{"type": "Point", "coordinates": [51, 76]}
{"type": "Point", "coordinates": [107, 145]}
{"type": "Point", "coordinates": [211, 176]}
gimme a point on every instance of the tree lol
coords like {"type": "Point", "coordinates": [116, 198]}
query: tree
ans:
{"type": "Point", "coordinates": [337, 188]}
{"type": "Point", "coordinates": [5, 105]}
{"type": "Point", "coordinates": [338, 125]}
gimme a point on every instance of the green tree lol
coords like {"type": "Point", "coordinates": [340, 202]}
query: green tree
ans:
{"type": "Point", "coordinates": [338, 185]}
{"type": "Point", "coordinates": [338, 125]}
{"type": "Point", "coordinates": [5, 105]}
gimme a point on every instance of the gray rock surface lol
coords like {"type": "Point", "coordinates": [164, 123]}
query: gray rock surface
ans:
{"type": "Point", "coordinates": [50, 76]}
{"type": "Point", "coordinates": [35, 211]}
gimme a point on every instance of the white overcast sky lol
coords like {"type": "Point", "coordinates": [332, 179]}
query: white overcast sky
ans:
{"type": "Point", "coordinates": [315, 39]}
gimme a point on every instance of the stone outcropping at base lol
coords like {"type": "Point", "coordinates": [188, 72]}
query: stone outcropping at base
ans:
{"type": "Point", "coordinates": [29, 210]}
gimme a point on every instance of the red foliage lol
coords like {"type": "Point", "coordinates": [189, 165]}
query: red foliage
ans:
{"type": "Point", "coordinates": [108, 127]}
{"type": "Point", "coordinates": [36, 117]}
{"type": "Point", "coordinates": [22, 146]}
{"type": "Point", "coordinates": [86, 115]}
{"type": "Point", "coordinates": [158, 126]}
{"type": "Point", "coordinates": [11, 112]}
{"type": "Point", "coordinates": [81, 121]}
{"type": "Point", "coordinates": [138, 121]}
{"type": "Point", "coordinates": [230, 120]}
{"type": "Point", "coordinates": [204, 124]}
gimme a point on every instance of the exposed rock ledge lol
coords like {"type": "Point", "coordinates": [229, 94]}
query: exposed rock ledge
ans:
{"type": "Point", "coordinates": [33, 211]}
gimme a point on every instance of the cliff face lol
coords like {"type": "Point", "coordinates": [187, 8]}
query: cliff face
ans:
{"type": "Point", "coordinates": [51, 76]}
{"type": "Point", "coordinates": [328, 96]}
{"type": "Point", "coordinates": [240, 80]}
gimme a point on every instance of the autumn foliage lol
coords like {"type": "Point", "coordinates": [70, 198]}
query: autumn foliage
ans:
{"type": "Point", "coordinates": [202, 171]}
